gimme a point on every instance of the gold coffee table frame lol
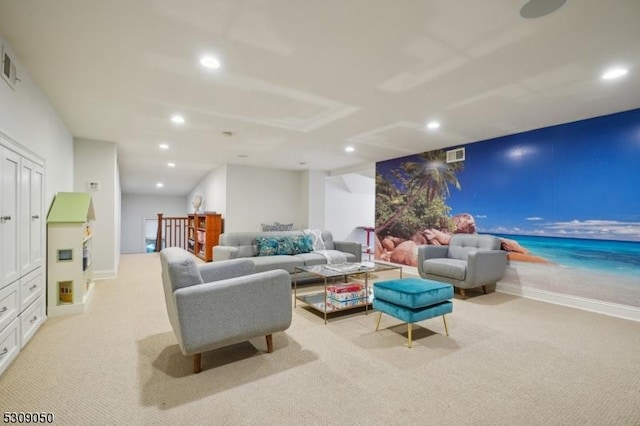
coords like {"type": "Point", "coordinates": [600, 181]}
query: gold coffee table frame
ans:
{"type": "Point", "coordinates": [318, 300]}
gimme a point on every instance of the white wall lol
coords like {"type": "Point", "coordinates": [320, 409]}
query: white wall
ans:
{"type": "Point", "coordinates": [28, 118]}
{"type": "Point", "coordinates": [213, 189]}
{"type": "Point", "coordinates": [350, 203]}
{"type": "Point", "coordinates": [314, 198]}
{"type": "Point", "coordinates": [136, 208]}
{"type": "Point", "coordinates": [97, 161]}
{"type": "Point", "coordinates": [259, 195]}
{"type": "Point", "coordinates": [249, 196]}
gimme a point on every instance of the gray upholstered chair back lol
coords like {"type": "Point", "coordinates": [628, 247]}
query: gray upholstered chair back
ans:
{"type": "Point", "coordinates": [461, 245]}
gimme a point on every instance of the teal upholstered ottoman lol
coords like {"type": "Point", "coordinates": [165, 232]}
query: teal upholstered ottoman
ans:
{"type": "Point", "coordinates": [412, 300]}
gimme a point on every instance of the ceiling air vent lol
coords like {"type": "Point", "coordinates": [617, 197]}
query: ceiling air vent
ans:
{"type": "Point", "coordinates": [455, 155]}
{"type": "Point", "coordinates": [9, 72]}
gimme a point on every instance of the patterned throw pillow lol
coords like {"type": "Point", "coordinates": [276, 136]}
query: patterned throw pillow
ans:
{"type": "Point", "coordinates": [271, 246]}
{"type": "Point", "coordinates": [267, 228]}
{"type": "Point", "coordinates": [277, 226]}
{"type": "Point", "coordinates": [283, 226]}
{"type": "Point", "coordinates": [287, 245]}
{"type": "Point", "coordinates": [316, 237]}
{"type": "Point", "coordinates": [267, 246]}
{"type": "Point", "coordinates": [305, 244]}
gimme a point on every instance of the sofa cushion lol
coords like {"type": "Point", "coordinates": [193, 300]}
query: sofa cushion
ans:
{"type": "Point", "coordinates": [446, 267]}
{"type": "Point", "coordinates": [268, 263]}
{"type": "Point", "coordinates": [247, 250]}
{"type": "Point", "coordinates": [312, 259]}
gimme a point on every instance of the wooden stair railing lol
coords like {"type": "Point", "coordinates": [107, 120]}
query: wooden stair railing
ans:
{"type": "Point", "coordinates": [172, 231]}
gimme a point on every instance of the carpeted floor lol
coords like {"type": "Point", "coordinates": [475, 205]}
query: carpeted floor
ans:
{"type": "Point", "coordinates": [508, 361]}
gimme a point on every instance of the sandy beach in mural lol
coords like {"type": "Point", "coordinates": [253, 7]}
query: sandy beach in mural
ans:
{"type": "Point", "coordinates": [602, 286]}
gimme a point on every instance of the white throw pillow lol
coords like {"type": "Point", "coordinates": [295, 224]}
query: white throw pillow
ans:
{"type": "Point", "coordinates": [316, 237]}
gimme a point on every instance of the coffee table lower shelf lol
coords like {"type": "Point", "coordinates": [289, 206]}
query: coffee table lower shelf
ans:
{"type": "Point", "coordinates": [317, 302]}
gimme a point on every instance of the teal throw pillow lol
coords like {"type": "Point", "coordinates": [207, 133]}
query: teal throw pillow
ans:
{"type": "Point", "coordinates": [287, 246]}
{"type": "Point", "coordinates": [267, 246]}
{"type": "Point", "coordinates": [305, 244]}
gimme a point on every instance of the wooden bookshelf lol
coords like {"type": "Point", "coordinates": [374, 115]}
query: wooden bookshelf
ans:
{"type": "Point", "coordinates": [203, 231]}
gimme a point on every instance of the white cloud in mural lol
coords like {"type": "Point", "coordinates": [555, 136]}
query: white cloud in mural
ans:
{"type": "Point", "coordinates": [535, 218]}
{"type": "Point", "coordinates": [601, 228]}
{"type": "Point", "coordinates": [481, 216]}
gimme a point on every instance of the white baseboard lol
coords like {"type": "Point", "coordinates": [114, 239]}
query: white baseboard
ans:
{"type": "Point", "coordinates": [104, 275]}
{"type": "Point", "coordinates": [611, 309]}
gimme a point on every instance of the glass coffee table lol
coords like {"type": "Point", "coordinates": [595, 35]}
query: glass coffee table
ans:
{"type": "Point", "coordinates": [319, 300]}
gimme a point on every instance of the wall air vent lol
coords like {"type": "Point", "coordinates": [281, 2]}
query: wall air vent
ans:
{"type": "Point", "coordinates": [9, 72]}
{"type": "Point", "coordinates": [455, 155]}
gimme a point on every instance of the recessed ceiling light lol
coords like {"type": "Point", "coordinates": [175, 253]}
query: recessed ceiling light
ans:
{"type": "Point", "coordinates": [433, 125]}
{"type": "Point", "coordinates": [159, 184]}
{"type": "Point", "coordinates": [614, 73]}
{"type": "Point", "coordinates": [210, 62]}
{"type": "Point", "coordinates": [302, 163]}
{"type": "Point", "coordinates": [178, 119]}
{"type": "Point", "coordinates": [171, 164]}
{"type": "Point", "coordinates": [163, 146]}
{"type": "Point", "coordinates": [349, 149]}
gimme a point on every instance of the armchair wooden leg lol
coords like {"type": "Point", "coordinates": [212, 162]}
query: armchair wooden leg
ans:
{"type": "Point", "coordinates": [463, 294]}
{"type": "Point", "coordinates": [269, 343]}
{"type": "Point", "coordinates": [197, 366]}
{"type": "Point", "coordinates": [484, 289]}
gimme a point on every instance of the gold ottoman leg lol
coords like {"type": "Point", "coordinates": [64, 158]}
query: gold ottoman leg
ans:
{"type": "Point", "coordinates": [378, 323]}
{"type": "Point", "coordinates": [409, 333]}
{"type": "Point", "coordinates": [446, 330]}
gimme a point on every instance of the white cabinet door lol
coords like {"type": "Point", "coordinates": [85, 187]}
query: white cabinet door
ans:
{"type": "Point", "coordinates": [37, 217]}
{"type": "Point", "coordinates": [31, 216]}
{"type": "Point", "coordinates": [9, 203]}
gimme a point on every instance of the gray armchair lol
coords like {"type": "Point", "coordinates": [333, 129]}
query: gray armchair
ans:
{"type": "Point", "coordinates": [468, 261]}
{"type": "Point", "coordinates": [218, 304]}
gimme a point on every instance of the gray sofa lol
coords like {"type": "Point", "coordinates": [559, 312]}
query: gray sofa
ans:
{"type": "Point", "coordinates": [213, 305]}
{"type": "Point", "coordinates": [234, 245]}
{"type": "Point", "coordinates": [469, 261]}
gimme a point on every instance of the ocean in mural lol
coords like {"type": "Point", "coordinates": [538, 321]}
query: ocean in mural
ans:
{"type": "Point", "coordinates": [608, 256]}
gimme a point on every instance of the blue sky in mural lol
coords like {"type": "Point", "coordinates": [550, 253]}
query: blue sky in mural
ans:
{"type": "Point", "coordinates": [578, 180]}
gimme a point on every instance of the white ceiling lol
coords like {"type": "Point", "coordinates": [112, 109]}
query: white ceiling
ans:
{"type": "Point", "coordinates": [300, 80]}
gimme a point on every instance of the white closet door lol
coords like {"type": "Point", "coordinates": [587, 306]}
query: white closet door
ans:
{"type": "Point", "coordinates": [37, 216]}
{"type": "Point", "coordinates": [9, 203]}
{"type": "Point", "coordinates": [30, 216]}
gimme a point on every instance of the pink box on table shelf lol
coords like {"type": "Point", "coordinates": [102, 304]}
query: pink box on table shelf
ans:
{"type": "Point", "coordinates": [344, 288]}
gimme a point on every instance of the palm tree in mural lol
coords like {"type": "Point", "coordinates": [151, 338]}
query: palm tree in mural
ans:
{"type": "Point", "coordinates": [431, 173]}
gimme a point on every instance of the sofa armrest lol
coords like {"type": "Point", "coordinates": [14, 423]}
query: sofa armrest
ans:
{"type": "Point", "coordinates": [486, 266]}
{"type": "Point", "coordinates": [217, 271]}
{"type": "Point", "coordinates": [224, 253]}
{"type": "Point", "coordinates": [430, 252]}
{"type": "Point", "coordinates": [217, 314]}
{"type": "Point", "coordinates": [352, 247]}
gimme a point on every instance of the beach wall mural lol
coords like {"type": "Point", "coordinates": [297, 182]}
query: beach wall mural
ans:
{"type": "Point", "coordinates": [565, 200]}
